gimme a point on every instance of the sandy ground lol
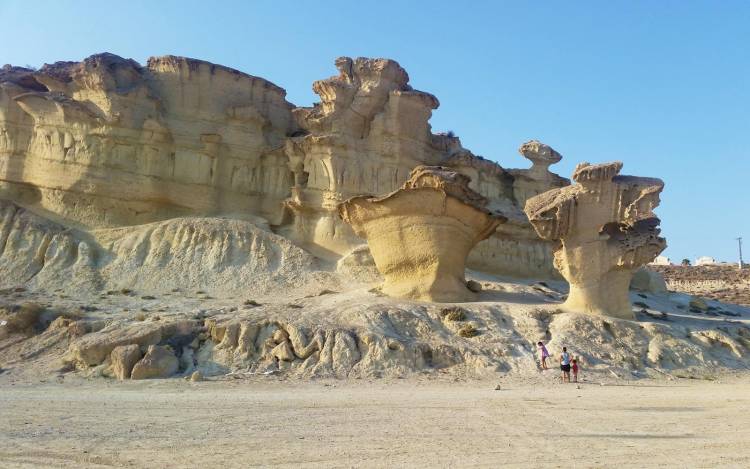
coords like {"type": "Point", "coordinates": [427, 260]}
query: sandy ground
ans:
{"type": "Point", "coordinates": [271, 422]}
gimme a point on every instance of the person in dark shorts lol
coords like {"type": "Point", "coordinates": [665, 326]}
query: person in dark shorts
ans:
{"type": "Point", "coordinates": [565, 365]}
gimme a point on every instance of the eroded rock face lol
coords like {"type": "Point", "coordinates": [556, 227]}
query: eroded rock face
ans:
{"type": "Point", "coordinates": [606, 230]}
{"type": "Point", "coordinates": [367, 134]}
{"type": "Point", "coordinates": [107, 142]}
{"type": "Point", "coordinates": [123, 358]}
{"type": "Point", "coordinates": [421, 234]}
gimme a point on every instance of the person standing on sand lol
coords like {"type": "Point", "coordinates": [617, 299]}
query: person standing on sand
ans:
{"type": "Point", "coordinates": [574, 368]}
{"type": "Point", "coordinates": [565, 365]}
{"type": "Point", "coordinates": [544, 354]}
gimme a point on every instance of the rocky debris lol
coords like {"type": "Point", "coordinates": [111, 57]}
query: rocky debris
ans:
{"type": "Point", "coordinates": [474, 286]}
{"type": "Point", "coordinates": [608, 230]}
{"type": "Point", "coordinates": [123, 358]}
{"type": "Point", "coordinates": [196, 376]}
{"type": "Point", "coordinates": [421, 234]}
{"type": "Point", "coordinates": [93, 349]}
{"type": "Point", "coordinates": [158, 362]}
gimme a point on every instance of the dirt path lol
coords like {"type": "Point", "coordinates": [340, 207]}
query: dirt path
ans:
{"type": "Point", "coordinates": [334, 424]}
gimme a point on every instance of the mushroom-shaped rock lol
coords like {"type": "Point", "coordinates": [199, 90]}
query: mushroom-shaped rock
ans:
{"type": "Point", "coordinates": [421, 234]}
{"type": "Point", "coordinates": [606, 230]}
{"type": "Point", "coordinates": [541, 156]}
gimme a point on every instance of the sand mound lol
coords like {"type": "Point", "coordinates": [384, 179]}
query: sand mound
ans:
{"type": "Point", "coordinates": [223, 256]}
{"type": "Point", "coordinates": [220, 255]}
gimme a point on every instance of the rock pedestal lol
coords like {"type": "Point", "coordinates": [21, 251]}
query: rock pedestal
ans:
{"type": "Point", "coordinates": [421, 234]}
{"type": "Point", "coordinates": [606, 230]}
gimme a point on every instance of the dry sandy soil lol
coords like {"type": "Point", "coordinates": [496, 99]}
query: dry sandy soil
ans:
{"type": "Point", "coordinates": [429, 423]}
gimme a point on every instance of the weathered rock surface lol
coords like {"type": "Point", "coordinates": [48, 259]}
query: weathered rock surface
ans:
{"type": "Point", "coordinates": [95, 348]}
{"type": "Point", "coordinates": [123, 358]}
{"type": "Point", "coordinates": [421, 234]}
{"type": "Point", "coordinates": [158, 362]}
{"type": "Point", "coordinates": [606, 228]}
{"type": "Point", "coordinates": [229, 255]}
{"type": "Point", "coordinates": [107, 143]}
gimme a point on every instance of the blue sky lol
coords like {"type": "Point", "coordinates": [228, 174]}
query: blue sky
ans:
{"type": "Point", "coordinates": [663, 86]}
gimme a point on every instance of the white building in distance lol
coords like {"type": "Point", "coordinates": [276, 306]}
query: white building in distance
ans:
{"type": "Point", "coordinates": [705, 260]}
{"type": "Point", "coordinates": [661, 260]}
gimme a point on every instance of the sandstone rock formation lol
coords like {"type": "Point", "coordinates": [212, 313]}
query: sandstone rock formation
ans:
{"type": "Point", "coordinates": [421, 234]}
{"type": "Point", "coordinates": [107, 143]}
{"type": "Point", "coordinates": [606, 230]}
{"type": "Point", "coordinates": [364, 138]}
{"type": "Point", "coordinates": [123, 358]}
{"type": "Point", "coordinates": [158, 362]}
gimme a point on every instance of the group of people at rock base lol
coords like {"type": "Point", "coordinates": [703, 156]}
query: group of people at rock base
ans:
{"type": "Point", "coordinates": [567, 363]}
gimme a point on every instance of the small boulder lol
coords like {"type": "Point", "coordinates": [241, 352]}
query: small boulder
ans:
{"type": "Point", "coordinates": [196, 376]}
{"type": "Point", "coordinates": [159, 362]}
{"type": "Point", "coordinates": [474, 286]}
{"type": "Point", "coordinates": [123, 359]}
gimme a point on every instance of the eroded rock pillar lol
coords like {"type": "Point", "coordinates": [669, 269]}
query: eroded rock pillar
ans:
{"type": "Point", "coordinates": [421, 234]}
{"type": "Point", "coordinates": [606, 230]}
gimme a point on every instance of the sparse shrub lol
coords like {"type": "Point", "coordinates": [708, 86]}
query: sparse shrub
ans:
{"type": "Point", "coordinates": [641, 304]}
{"type": "Point", "coordinates": [469, 330]}
{"type": "Point", "coordinates": [148, 297]}
{"type": "Point", "coordinates": [453, 314]}
{"type": "Point", "coordinates": [126, 291]}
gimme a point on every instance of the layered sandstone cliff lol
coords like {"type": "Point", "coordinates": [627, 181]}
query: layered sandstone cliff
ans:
{"type": "Point", "coordinates": [108, 143]}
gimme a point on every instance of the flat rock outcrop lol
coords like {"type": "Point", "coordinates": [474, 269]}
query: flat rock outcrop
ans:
{"type": "Point", "coordinates": [606, 230]}
{"type": "Point", "coordinates": [421, 234]}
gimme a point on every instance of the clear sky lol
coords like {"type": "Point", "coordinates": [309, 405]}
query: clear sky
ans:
{"type": "Point", "coordinates": [663, 86]}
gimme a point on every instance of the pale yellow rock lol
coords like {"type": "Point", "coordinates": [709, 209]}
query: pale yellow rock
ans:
{"type": "Point", "coordinates": [94, 348]}
{"type": "Point", "coordinates": [420, 235]}
{"type": "Point", "coordinates": [159, 362]}
{"type": "Point", "coordinates": [109, 143]}
{"type": "Point", "coordinates": [123, 358]}
{"type": "Point", "coordinates": [606, 230]}
{"type": "Point", "coordinates": [283, 352]}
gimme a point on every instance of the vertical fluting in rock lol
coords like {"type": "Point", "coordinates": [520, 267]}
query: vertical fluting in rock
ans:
{"type": "Point", "coordinates": [606, 230]}
{"type": "Point", "coordinates": [421, 234]}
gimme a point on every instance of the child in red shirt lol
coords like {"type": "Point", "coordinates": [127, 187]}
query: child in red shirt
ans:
{"type": "Point", "coordinates": [574, 368]}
